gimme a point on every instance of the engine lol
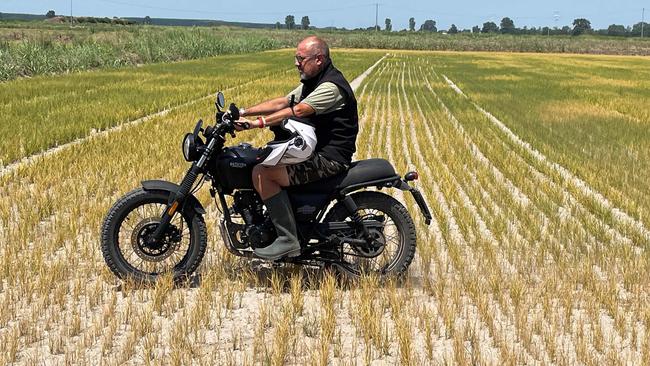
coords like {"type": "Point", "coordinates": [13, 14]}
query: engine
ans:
{"type": "Point", "coordinates": [258, 230]}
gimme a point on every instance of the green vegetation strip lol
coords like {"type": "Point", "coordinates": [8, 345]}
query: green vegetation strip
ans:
{"type": "Point", "coordinates": [43, 112]}
{"type": "Point", "coordinates": [46, 51]}
{"type": "Point", "coordinates": [36, 48]}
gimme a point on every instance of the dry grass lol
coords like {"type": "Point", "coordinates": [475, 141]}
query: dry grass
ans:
{"type": "Point", "coordinates": [517, 267]}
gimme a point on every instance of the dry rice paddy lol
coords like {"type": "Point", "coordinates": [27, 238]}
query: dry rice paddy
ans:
{"type": "Point", "coordinates": [529, 260]}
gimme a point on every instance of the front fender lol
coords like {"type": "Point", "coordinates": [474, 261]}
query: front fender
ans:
{"type": "Point", "coordinates": [162, 185]}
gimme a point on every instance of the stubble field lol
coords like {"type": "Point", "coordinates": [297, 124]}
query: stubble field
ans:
{"type": "Point", "coordinates": [535, 168]}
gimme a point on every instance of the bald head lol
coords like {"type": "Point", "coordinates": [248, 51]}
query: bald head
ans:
{"type": "Point", "coordinates": [314, 46]}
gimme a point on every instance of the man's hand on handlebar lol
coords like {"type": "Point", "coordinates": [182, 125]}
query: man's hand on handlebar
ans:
{"type": "Point", "coordinates": [245, 124]}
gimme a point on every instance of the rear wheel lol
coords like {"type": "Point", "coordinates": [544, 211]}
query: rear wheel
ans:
{"type": "Point", "coordinates": [129, 253]}
{"type": "Point", "coordinates": [394, 241]}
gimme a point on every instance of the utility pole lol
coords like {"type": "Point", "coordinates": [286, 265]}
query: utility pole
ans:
{"type": "Point", "coordinates": [376, 17]}
{"type": "Point", "coordinates": [71, 13]}
{"type": "Point", "coordinates": [642, 21]}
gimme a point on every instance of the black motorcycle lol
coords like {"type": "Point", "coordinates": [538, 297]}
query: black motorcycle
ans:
{"type": "Point", "coordinates": [159, 227]}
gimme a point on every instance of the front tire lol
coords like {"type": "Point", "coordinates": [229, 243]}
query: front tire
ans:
{"type": "Point", "coordinates": [398, 233]}
{"type": "Point", "coordinates": [130, 256]}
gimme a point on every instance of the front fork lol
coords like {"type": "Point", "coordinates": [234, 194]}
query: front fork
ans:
{"type": "Point", "coordinates": [178, 200]}
{"type": "Point", "coordinates": [175, 201]}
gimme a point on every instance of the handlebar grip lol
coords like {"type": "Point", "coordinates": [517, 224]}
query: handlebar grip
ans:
{"type": "Point", "coordinates": [234, 111]}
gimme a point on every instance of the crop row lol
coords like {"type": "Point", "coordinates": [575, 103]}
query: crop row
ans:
{"type": "Point", "coordinates": [586, 113]}
{"type": "Point", "coordinates": [541, 276]}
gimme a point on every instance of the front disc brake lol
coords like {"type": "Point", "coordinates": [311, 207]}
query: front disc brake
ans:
{"type": "Point", "coordinates": [162, 250]}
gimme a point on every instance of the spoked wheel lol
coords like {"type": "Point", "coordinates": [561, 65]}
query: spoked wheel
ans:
{"type": "Point", "coordinates": [394, 241]}
{"type": "Point", "coordinates": [128, 249]}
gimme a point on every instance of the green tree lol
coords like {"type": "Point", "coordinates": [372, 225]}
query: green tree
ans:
{"type": "Point", "coordinates": [305, 22]}
{"type": "Point", "coordinates": [290, 22]}
{"type": "Point", "coordinates": [389, 26]}
{"type": "Point", "coordinates": [278, 25]}
{"type": "Point", "coordinates": [581, 26]}
{"type": "Point", "coordinates": [429, 26]}
{"type": "Point", "coordinates": [490, 27]}
{"type": "Point", "coordinates": [507, 26]}
{"type": "Point", "coordinates": [412, 24]}
{"type": "Point", "coordinates": [476, 29]}
{"type": "Point", "coordinates": [453, 29]}
{"type": "Point", "coordinates": [147, 20]}
{"type": "Point", "coordinates": [616, 30]}
{"type": "Point", "coordinates": [50, 14]}
{"type": "Point", "coordinates": [636, 29]}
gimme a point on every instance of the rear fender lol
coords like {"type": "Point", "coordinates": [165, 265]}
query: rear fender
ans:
{"type": "Point", "coordinates": [160, 185]}
{"type": "Point", "coordinates": [417, 196]}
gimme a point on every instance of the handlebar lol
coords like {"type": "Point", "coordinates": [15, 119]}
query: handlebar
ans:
{"type": "Point", "coordinates": [225, 123]}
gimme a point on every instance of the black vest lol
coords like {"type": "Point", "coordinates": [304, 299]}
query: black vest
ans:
{"type": "Point", "coordinates": [336, 131]}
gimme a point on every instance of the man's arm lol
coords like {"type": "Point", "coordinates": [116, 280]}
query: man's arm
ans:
{"type": "Point", "coordinates": [299, 110]}
{"type": "Point", "coordinates": [326, 97]}
{"type": "Point", "coordinates": [266, 108]}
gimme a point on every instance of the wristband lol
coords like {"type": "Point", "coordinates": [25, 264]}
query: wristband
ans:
{"type": "Point", "coordinates": [242, 111]}
{"type": "Point", "coordinates": [262, 121]}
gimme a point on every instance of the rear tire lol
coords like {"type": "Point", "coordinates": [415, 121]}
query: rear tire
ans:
{"type": "Point", "coordinates": [391, 262]}
{"type": "Point", "coordinates": [135, 214]}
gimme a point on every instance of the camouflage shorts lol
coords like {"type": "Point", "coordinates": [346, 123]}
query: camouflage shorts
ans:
{"type": "Point", "coordinates": [315, 168]}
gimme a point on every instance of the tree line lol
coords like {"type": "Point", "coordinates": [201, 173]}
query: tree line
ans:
{"type": "Point", "coordinates": [507, 26]}
{"type": "Point", "coordinates": [51, 14]}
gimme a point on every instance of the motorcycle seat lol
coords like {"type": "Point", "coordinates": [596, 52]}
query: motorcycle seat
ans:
{"type": "Point", "coordinates": [360, 172]}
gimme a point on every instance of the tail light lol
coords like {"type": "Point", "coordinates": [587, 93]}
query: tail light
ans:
{"type": "Point", "coordinates": [411, 176]}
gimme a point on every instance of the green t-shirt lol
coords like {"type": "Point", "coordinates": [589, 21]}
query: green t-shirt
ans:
{"type": "Point", "coordinates": [326, 98]}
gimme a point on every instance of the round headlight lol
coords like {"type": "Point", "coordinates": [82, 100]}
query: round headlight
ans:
{"type": "Point", "coordinates": [188, 146]}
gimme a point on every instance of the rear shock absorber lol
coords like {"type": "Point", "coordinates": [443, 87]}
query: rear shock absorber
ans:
{"type": "Point", "coordinates": [354, 210]}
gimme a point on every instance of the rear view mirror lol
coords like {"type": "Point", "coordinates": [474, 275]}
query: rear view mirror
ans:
{"type": "Point", "coordinates": [221, 100]}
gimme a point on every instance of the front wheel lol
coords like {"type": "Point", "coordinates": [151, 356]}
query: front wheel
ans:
{"type": "Point", "coordinates": [397, 236]}
{"type": "Point", "coordinates": [131, 255]}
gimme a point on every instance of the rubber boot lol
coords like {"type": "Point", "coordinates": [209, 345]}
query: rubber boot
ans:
{"type": "Point", "coordinates": [286, 245]}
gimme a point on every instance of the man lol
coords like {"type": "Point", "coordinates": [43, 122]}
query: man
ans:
{"type": "Point", "coordinates": [326, 100]}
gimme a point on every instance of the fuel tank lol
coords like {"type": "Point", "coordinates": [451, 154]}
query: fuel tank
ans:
{"type": "Point", "coordinates": [234, 167]}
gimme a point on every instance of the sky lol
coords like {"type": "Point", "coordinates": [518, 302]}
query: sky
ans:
{"type": "Point", "coordinates": [354, 14]}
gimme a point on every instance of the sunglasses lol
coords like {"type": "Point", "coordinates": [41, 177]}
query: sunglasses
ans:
{"type": "Point", "coordinates": [301, 59]}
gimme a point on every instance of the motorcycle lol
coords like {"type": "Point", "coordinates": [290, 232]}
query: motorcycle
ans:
{"type": "Point", "coordinates": [159, 227]}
